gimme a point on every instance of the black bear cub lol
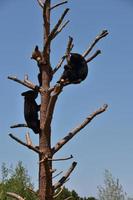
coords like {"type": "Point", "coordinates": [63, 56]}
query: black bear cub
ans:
{"type": "Point", "coordinates": [31, 110]}
{"type": "Point", "coordinates": [75, 71]}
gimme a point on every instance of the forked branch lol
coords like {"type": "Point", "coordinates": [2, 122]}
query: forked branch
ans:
{"type": "Point", "coordinates": [24, 144]}
{"type": "Point", "coordinates": [52, 7]}
{"type": "Point", "coordinates": [99, 37]}
{"type": "Point", "coordinates": [61, 28]}
{"type": "Point", "coordinates": [55, 29]}
{"type": "Point", "coordinates": [58, 4]}
{"type": "Point", "coordinates": [29, 84]}
{"type": "Point", "coordinates": [72, 133]}
{"type": "Point", "coordinates": [14, 195]}
{"type": "Point", "coordinates": [25, 82]}
{"type": "Point", "coordinates": [65, 177]}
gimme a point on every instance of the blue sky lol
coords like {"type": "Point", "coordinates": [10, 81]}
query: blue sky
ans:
{"type": "Point", "coordinates": [106, 143]}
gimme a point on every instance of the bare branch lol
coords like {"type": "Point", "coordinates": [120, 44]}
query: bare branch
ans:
{"type": "Point", "coordinates": [55, 29]}
{"type": "Point", "coordinates": [28, 139]}
{"type": "Point", "coordinates": [93, 56]}
{"type": "Point", "coordinates": [64, 178]}
{"type": "Point", "coordinates": [59, 4]}
{"type": "Point", "coordinates": [59, 22]}
{"type": "Point", "coordinates": [69, 47]}
{"type": "Point", "coordinates": [68, 50]}
{"type": "Point", "coordinates": [54, 95]}
{"type": "Point", "coordinates": [14, 195]}
{"type": "Point", "coordinates": [56, 159]}
{"type": "Point", "coordinates": [59, 64]}
{"type": "Point", "coordinates": [61, 28]}
{"type": "Point", "coordinates": [25, 83]}
{"type": "Point", "coordinates": [18, 126]}
{"type": "Point", "coordinates": [99, 37]}
{"type": "Point", "coordinates": [56, 195]}
{"type": "Point", "coordinates": [57, 174]}
{"type": "Point", "coordinates": [29, 84]}
{"type": "Point", "coordinates": [24, 144]}
{"type": "Point", "coordinates": [61, 159]}
{"type": "Point", "coordinates": [72, 133]}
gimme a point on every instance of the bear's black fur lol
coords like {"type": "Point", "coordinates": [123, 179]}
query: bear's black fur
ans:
{"type": "Point", "coordinates": [75, 71]}
{"type": "Point", "coordinates": [31, 110]}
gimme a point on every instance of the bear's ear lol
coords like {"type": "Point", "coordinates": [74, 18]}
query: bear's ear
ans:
{"type": "Point", "coordinates": [66, 67]}
{"type": "Point", "coordinates": [23, 94]}
{"type": "Point", "coordinates": [36, 48]}
{"type": "Point", "coordinates": [30, 93]}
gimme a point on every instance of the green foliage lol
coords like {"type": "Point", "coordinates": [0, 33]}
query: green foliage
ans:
{"type": "Point", "coordinates": [66, 193]}
{"type": "Point", "coordinates": [112, 189]}
{"type": "Point", "coordinates": [74, 196]}
{"type": "Point", "coordinates": [17, 181]}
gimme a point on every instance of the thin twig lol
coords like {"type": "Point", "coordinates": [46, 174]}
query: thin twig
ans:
{"type": "Point", "coordinates": [61, 28]}
{"type": "Point", "coordinates": [65, 177]}
{"type": "Point", "coordinates": [59, 64]}
{"type": "Point", "coordinates": [99, 37]}
{"type": "Point", "coordinates": [72, 133]}
{"type": "Point", "coordinates": [55, 159]}
{"type": "Point", "coordinates": [93, 56]}
{"type": "Point", "coordinates": [14, 195]}
{"type": "Point", "coordinates": [58, 4]}
{"type": "Point", "coordinates": [60, 159]}
{"type": "Point", "coordinates": [18, 126]}
{"type": "Point", "coordinates": [24, 144]}
{"type": "Point", "coordinates": [57, 174]}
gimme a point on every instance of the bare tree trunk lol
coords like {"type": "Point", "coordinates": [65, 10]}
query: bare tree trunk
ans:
{"type": "Point", "coordinates": [45, 175]}
{"type": "Point", "coordinates": [49, 96]}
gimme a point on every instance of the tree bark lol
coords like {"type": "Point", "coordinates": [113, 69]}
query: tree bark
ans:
{"type": "Point", "coordinates": [45, 175]}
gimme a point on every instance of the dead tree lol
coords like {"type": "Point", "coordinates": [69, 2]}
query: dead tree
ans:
{"type": "Point", "coordinates": [48, 97]}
